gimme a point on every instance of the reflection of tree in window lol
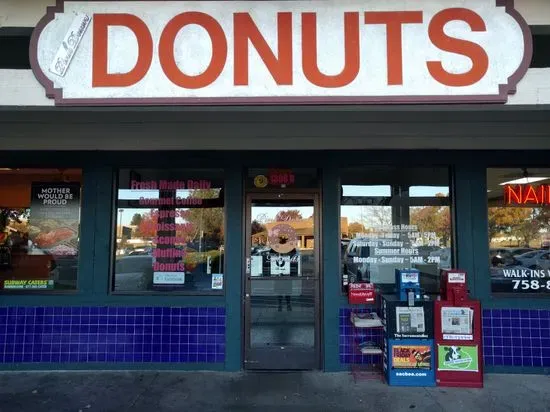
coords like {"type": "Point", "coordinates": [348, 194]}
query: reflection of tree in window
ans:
{"type": "Point", "coordinates": [287, 215]}
{"type": "Point", "coordinates": [354, 228]}
{"type": "Point", "coordinates": [522, 224]}
{"type": "Point", "coordinates": [435, 219]}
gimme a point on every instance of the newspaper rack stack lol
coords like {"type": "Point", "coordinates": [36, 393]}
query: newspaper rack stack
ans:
{"type": "Point", "coordinates": [458, 334]}
{"type": "Point", "coordinates": [408, 342]}
{"type": "Point", "coordinates": [366, 338]}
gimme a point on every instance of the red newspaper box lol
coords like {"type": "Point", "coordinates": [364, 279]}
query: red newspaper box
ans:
{"type": "Point", "coordinates": [361, 293]}
{"type": "Point", "coordinates": [457, 333]}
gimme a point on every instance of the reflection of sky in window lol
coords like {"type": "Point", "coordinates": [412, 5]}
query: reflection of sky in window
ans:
{"type": "Point", "coordinates": [364, 214]}
{"type": "Point", "coordinates": [351, 190]}
{"type": "Point", "coordinates": [428, 191]}
{"type": "Point", "coordinates": [385, 190]}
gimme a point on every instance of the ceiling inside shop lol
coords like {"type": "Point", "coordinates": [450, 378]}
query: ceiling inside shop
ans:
{"type": "Point", "coordinates": [496, 178]}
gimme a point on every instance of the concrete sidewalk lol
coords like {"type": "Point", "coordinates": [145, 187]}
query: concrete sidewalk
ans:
{"type": "Point", "coordinates": [265, 392]}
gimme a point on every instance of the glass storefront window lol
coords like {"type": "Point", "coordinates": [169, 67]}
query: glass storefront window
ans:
{"type": "Point", "coordinates": [395, 218]}
{"type": "Point", "coordinates": [519, 230]}
{"type": "Point", "coordinates": [169, 234]}
{"type": "Point", "coordinates": [39, 229]}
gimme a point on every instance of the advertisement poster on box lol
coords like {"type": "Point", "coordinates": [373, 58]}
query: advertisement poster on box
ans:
{"type": "Point", "coordinates": [411, 357]}
{"type": "Point", "coordinates": [457, 358]}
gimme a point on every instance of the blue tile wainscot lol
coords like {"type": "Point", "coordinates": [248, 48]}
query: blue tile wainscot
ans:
{"type": "Point", "coordinates": [112, 334]}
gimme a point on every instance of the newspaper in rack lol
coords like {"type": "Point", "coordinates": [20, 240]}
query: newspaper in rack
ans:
{"type": "Point", "coordinates": [410, 319]}
{"type": "Point", "coordinates": [456, 320]}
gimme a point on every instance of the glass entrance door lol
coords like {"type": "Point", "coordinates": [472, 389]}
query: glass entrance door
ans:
{"type": "Point", "coordinates": [282, 278]}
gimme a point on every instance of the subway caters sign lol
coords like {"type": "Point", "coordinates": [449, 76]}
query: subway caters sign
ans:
{"type": "Point", "coordinates": [270, 52]}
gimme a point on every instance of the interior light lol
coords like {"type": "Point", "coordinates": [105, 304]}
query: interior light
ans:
{"type": "Point", "coordinates": [524, 180]}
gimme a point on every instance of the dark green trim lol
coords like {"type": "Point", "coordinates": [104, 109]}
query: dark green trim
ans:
{"type": "Point", "coordinates": [233, 267]}
{"type": "Point", "coordinates": [103, 231]}
{"type": "Point", "coordinates": [168, 366]}
{"type": "Point", "coordinates": [132, 301]}
{"type": "Point", "coordinates": [465, 180]}
{"type": "Point", "coordinates": [88, 227]}
{"type": "Point", "coordinates": [331, 268]}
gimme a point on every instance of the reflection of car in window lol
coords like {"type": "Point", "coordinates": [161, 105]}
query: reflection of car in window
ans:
{"type": "Point", "coordinates": [64, 270]}
{"type": "Point", "coordinates": [363, 263]}
{"type": "Point", "coordinates": [444, 255]}
{"type": "Point", "coordinates": [134, 273]}
{"type": "Point", "coordinates": [502, 257]}
{"type": "Point", "coordinates": [531, 259]}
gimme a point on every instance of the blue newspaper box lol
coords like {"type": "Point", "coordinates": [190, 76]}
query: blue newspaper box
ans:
{"type": "Point", "coordinates": [409, 362]}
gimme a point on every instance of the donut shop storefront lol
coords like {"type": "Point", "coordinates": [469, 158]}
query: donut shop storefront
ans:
{"type": "Point", "coordinates": [199, 194]}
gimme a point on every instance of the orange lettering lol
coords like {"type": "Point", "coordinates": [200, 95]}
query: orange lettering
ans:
{"type": "Point", "coordinates": [100, 50]}
{"type": "Point", "coordinates": [394, 21]}
{"type": "Point", "coordinates": [166, 50]}
{"type": "Point", "coordinates": [530, 196]}
{"type": "Point", "coordinates": [478, 56]}
{"type": "Point", "coordinates": [309, 52]}
{"type": "Point", "coordinates": [280, 67]}
{"type": "Point", "coordinates": [509, 190]}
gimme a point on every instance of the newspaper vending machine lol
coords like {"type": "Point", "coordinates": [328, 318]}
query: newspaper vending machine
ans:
{"type": "Point", "coordinates": [457, 333]}
{"type": "Point", "coordinates": [408, 333]}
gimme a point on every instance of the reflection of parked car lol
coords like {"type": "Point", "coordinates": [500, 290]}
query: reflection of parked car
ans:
{"type": "Point", "coordinates": [359, 269]}
{"type": "Point", "coordinates": [141, 251]}
{"type": "Point", "coordinates": [134, 273]}
{"type": "Point", "coordinates": [426, 251]}
{"type": "Point", "coordinates": [344, 245]}
{"type": "Point", "coordinates": [530, 259]}
{"type": "Point", "coordinates": [444, 255]}
{"type": "Point", "coordinates": [64, 271]}
{"type": "Point", "coordinates": [502, 257]}
{"type": "Point", "coordinates": [543, 261]}
{"type": "Point", "coordinates": [507, 256]}
{"type": "Point", "coordinates": [499, 281]}
{"type": "Point", "coordinates": [357, 272]}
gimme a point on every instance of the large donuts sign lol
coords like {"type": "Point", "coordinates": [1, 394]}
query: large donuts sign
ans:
{"type": "Point", "coordinates": [280, 52]}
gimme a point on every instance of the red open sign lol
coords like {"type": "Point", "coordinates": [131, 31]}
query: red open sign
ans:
{"type": "Point", "coordinates": [361, 293]}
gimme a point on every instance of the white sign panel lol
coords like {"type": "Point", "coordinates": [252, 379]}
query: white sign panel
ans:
{"type": "Point", "coordinates": [409, 277]}
{"type": "Point", "coordinates": [280, 265]}
{"type": "Point", "coordinates": [281, 52]}
{"type": "Point", "coordinates": [69, 45]}
{"type": "Point", "coordinates": [169, 278]}
{"type": "Point", "coordinates": [454, 277]}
